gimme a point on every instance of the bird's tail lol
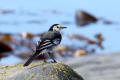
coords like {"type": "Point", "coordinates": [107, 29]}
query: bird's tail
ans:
{"type": "Point", "coordinates": [31, 58]}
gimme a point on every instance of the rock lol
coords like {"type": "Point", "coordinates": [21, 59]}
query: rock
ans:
{"type": "Point", "coordinates": [83, 18]}
{"type": "Point", "coordinates": [62, 48]}
{"type": "Point", "coordinates": [97, 66]}
{"type": "Point", "coordinates": [24, 54]}
{"type": "Point", "coordinates": [27, 54]}
{"type": "Point", "coordinates": [27, 35]}
{"type": "Point", "coordinates": [39, 71]}
{"type": "Point", "coordinates": [80, 53]}
{"type": "Point", "coordinates": [5, 49]}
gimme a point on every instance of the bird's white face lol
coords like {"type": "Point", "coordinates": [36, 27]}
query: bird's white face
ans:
{"type": "Point", "coordinates": [57, 27]}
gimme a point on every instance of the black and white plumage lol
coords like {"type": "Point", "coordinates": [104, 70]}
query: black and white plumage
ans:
{"type": "Point", "coordinates": [49, 41]}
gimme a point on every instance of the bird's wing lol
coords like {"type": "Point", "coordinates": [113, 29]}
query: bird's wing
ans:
{"type": "Point", "coordinates": [45, 44]}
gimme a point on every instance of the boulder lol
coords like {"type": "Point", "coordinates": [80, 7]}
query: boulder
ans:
{"type": "Point", "coordinates": [39, 71]}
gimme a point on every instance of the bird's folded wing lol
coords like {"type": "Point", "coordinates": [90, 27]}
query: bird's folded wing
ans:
{"type": "Point", "coordinates": [45, 44]}
{"type": "Point", "coordinates": [48, 43]}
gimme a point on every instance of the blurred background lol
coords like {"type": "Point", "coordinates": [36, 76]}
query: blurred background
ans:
{"type": "Point", "coordinates": [93, 27]}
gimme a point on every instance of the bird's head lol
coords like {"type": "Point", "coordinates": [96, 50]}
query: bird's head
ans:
{"type": "Point", "coordinates": [56, 27]}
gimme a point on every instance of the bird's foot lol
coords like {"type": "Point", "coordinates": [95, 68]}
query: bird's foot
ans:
{"type": "Point", "coordinates": [45, 61]}
{"type": "Point", "coordinates": [53, 61]}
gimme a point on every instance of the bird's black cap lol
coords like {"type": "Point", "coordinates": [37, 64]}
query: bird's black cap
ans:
{"type": "Point", "coordinates": [51, 28]}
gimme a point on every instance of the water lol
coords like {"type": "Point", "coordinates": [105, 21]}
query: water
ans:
{"type": "Point", "coordinates": [44, 13]}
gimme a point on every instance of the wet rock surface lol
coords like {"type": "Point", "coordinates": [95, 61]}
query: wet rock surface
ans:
{"type": "Point", "coordinates": [39, 71]}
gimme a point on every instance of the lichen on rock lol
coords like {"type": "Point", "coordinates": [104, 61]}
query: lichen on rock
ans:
{"type": "Point", "coordinates": [39, 71]}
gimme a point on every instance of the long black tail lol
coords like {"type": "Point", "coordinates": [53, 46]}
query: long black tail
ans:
{"type": "Point", "coordinates": [31, 58]}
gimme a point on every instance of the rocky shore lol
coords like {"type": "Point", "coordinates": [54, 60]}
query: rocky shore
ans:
{"type": "Point", "coordinates": [90, 67]}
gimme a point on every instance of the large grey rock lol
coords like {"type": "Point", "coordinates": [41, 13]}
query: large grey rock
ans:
{"type": "Point", "coordinates": [39, 71]}
{"type": "Point", "coordinates": [97, 67]}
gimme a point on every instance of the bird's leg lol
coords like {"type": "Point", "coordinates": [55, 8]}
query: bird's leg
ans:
{"type": "Point", "coordinates": [44, 58]}
{"type": "Point", "coordinates": [52, 57]}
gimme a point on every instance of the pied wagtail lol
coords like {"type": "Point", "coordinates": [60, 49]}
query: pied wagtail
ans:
{"type": "Point", "coordinates": [49, 41]}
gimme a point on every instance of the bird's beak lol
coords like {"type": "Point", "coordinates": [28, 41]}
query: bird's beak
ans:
{"type": "Point", "coordinates": [63, 27]}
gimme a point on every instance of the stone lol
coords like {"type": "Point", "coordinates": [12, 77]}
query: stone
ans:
{"type": "Point", "coordinates": [39, 71]}
{"type": "Point", "coordinates": [80, 53]}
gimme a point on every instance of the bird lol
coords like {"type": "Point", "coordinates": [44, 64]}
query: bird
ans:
{"type": "Point", "coordinates": [47, 43]}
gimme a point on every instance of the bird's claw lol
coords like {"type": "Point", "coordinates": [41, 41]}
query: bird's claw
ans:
{"type": "Point", "coordinates": [54, 61]}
